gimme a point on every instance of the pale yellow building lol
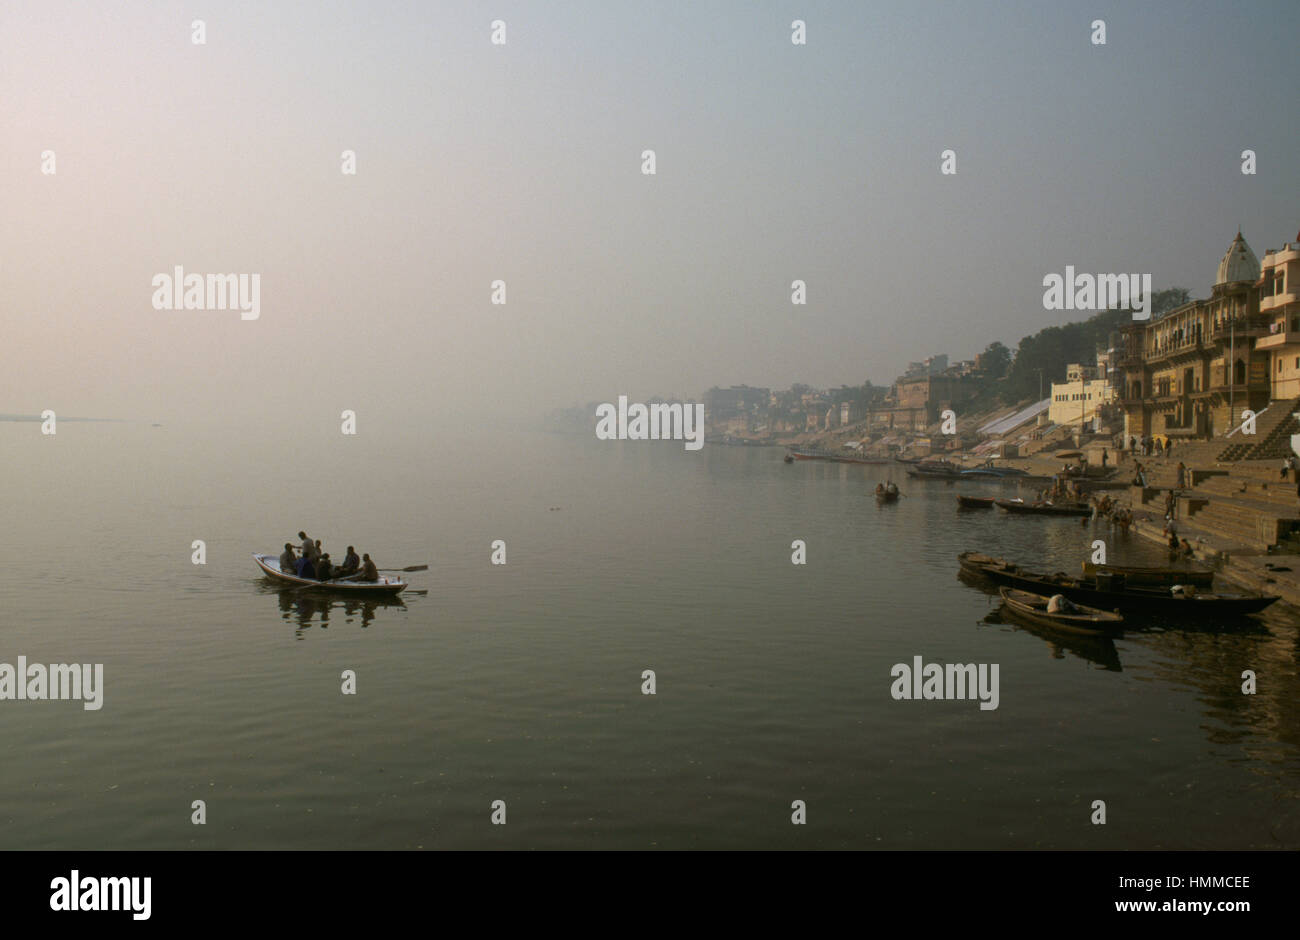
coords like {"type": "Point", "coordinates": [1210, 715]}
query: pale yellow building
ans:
{"type": "Point", "coordinates": [1077, 398]}
{"type": "Point", "coordinates": [1279, 287]}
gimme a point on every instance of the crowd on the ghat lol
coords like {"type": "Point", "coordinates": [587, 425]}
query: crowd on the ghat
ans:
{"type": "Point", "coordinates": [315, 564]}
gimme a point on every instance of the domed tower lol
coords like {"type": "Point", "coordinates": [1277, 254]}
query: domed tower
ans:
{"type": "Point", "coordinates": [1240, 370]}
{"type": "Point", "coordinates": [1239, 265]}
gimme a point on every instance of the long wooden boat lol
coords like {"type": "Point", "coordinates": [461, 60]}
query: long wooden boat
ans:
{"type": "Point", "coordinates": [1153, 601]}
{"type": "Point", "coordinates": [808, 453]}
{"type": "Point", "coordinates": [1147, 577]}
{"type": "Point", "coordinates": [270, 565]}
{"type": "Point", "coordinates": [975, 502]}
{"type": "Point", "coordinates": [1033, 608]}
{"type": "Point", "coordinates": [1044, 509]}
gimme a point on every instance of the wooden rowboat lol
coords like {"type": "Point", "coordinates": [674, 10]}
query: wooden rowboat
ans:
{"type": "Point", "coordinates": [1160, 577]}
{"type": "Point", "coordinates": [1033, 609]}
{"type": "Point", "coordinates": [1044, 509]}
{"type": "Point", "coordinates": [975, 502]}
{"type": "Point", "coordinates": [270, 565]}
{"type": "Point", "coordinates": [1160, 602]}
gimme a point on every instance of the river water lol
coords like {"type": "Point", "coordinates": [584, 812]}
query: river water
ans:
{"type": "Point", "coordinates": [523, 682]}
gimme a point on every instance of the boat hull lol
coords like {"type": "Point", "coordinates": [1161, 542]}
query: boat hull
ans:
{"type": "Point", "coordinates": [1032, 608]}
{"type": "Point", "coordinates": [270, 565]}
{"type": "Point", "coordinates": [1128, 600]}
{"type": "Point", "coordinates": [975, 502]}
{"type": "Point", "coordinates": [1157, 577]}
{"type": "Point", "coordinates": [1030, 509]}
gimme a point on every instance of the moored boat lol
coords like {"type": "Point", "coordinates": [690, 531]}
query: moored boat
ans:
{"type": "Point", "coordinates": [1094, 593]}
{"type": "Point", "coordinates": [1044, 509]}
{"type": "Point", "coordinates": [975, 502]}
{"type": "Point", "coordinates": [1161, 577]}
{"type": "Point", "coordinates": [809, 453]}
{"type": "Point", "coordinates": [270, 565]}
{"type": "Point", "coordinates": [1034, 608]}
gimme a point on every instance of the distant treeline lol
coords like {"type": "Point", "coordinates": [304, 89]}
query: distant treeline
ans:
{"type": "Point", "coordinates": [1050, 350]}
{"type": "Point", "coordinates": [1009, 377]}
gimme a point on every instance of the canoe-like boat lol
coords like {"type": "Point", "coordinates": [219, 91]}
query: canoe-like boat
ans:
{"type": "Point", "coordinates": [812, 453]}
{"type": "Point", "coordinates": [270, 565]}
{"type": "Point", "coordinates": [1033, 608]}
{"type": "Point", "coordinates": [1138, 600]}
{"type": "Point", "coordinates": [1044, 509]}
{"type": "Point", "coordinates": [1152, 577]}
{"type": "Point", "coordinates": [975, 502]}
{"type": "Point", "coordinates": [997, 473]}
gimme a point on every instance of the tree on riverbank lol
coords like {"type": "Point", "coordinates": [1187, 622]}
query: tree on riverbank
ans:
{"type": "Point", "coordinates": [1050, 350]}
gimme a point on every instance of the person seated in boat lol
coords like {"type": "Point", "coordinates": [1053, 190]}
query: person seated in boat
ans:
{"type": "Point", "coordinates": [324, 570]}
{"type": "Point", "coordinates": [308, 546]}
{"type": "Point", "coordinates": [891, 488]}
{"type": "Point", "coordinates": [316, 555]}
{"type": "Point", "coordinates": [368, 570]}
{"type": "Point", "coordinates": [305, 568]}
{"type": "Point", "coordinates": [1060, 604]}
{"type": "Point", "coordinates": [351, 563]}
{"type": "Point", "coordinates": [288, 563]}
{"type": "Point", "coordinates": [880, 489]}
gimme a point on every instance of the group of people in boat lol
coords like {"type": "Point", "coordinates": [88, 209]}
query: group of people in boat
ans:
{"type": "Point", "coordinates": [315, 564]}
{"type": "Point", "coordinates": [887, 489]}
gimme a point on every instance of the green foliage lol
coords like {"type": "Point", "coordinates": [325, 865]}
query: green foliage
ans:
{"type": "Point", "coordinates": [1052, 349]}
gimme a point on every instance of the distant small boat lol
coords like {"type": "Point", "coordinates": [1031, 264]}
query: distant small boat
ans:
{"type": "Point", "coordinates": [789, 458]}
{"type": "Point", "coordinates": [809, 453]}
{"type": "Point", "coordinates": [997, 472]}
{"type": "Point", "coordinates": [1033, 608]}
{"type": "Point", "coordinates": [975, 502]}
{"type": "Point", "coordinates": [270, 565]}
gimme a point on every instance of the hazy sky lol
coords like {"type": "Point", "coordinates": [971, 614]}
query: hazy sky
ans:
{"type": "Point", "coordinates": [522, 162]}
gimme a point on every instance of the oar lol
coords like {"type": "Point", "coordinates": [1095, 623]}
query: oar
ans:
{"type": "Point", "coordinates": [408, 568]}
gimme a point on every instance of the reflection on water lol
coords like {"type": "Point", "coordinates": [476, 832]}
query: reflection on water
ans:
{"type": "Point", "coordinates": [1099, 650]}
{"type": "Point", "coordinates": [320, 609]}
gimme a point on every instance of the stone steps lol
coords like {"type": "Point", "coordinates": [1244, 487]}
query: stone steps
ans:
{"type": "Point", "coordinates": [1279, 497]}
{"type": "Point", "coordinates": [1272, 438]}
{"type": "Point", "coordinates": [1238, 524]}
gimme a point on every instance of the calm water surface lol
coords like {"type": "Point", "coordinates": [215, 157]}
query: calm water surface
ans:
{"type": "Point", "coordinates": [522, 682]}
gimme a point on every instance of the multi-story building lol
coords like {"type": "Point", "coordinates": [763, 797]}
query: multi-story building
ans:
{"type": "Point", "coordinates": [1076, 400]}
{"type": "Point", "coordinates": [1279, 286]}
{"type": "Point", "coordinates": [1193, 370]}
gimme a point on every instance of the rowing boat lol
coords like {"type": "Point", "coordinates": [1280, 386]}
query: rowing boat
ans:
{"type": "Point", "coordinates": [270, 565]}
{"type": "Point", "coordinates": [1033, 608]}
{"type": "Point", "coordinates": [1160, 577]}
{"type": "Point", "coordinates": [1044, 509]}
{"type": "Point", "coordinates": [975, 502]}
{"type": "Point", "coordinates": [1158, 601]}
